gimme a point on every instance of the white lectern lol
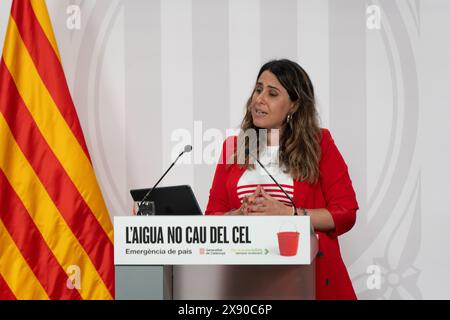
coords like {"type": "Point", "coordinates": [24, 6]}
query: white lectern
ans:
{"type": "Point", "coordinates": [214, 257]}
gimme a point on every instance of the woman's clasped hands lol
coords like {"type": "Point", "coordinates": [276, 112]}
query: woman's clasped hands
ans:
{"type": "Point", "coordinates": [260, 203]}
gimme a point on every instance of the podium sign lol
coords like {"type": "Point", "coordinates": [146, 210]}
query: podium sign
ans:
{"type": "Point", "coordinates": [213, 240]}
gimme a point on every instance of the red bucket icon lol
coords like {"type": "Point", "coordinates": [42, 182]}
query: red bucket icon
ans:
{"type": "Point", "coordinates": [288, 242]}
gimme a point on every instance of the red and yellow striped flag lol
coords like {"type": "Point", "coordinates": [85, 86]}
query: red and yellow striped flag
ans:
{"type": "Point", "coordinates": [56, 237]}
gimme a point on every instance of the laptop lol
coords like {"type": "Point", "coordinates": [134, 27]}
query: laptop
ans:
{"type": "Point", "coordinates": [173, 200]}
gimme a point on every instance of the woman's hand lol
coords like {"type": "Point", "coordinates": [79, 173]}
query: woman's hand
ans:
{"type": "Point", "coordinates": [246, 202]}
{"type": "Point", "coordinates": [263, 204]}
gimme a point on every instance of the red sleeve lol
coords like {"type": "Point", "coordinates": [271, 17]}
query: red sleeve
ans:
{"type": "Point", "coordinates": [218, 202]}
{"type": "Point", "coordinates": [337, 186]}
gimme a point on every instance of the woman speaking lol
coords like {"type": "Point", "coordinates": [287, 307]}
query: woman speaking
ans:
{"type": "Point", "coordinates": [301, 157]}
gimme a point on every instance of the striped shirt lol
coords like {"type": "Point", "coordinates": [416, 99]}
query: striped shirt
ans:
{"type": "Point", "coordinates": [252, 178]}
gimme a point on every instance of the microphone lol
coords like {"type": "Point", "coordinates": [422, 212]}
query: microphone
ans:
{"type": "Point", "coordinates": [142, 208]}
{"type": "Point", "coordinates": [273, 179]}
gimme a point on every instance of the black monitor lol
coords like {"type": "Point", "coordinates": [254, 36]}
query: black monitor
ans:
{"type": "Point", "coordinates": [173, 200]}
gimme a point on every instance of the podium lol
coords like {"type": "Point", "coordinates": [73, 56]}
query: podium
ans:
{"type": "Point", "coordinates": [222, 271]}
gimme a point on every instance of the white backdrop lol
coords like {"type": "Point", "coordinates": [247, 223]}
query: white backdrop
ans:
{"type": "Point", "coordinates": [144, 73]}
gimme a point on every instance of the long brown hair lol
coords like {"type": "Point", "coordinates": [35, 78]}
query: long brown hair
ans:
{"type": "Point", "coordinates": [300, 148]}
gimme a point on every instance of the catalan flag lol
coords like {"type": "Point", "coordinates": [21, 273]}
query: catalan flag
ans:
{"type": "Point", "coordinates": [56, 237]}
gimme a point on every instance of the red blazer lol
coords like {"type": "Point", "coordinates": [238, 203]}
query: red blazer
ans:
{"type": "Point", "coordinates": [333, 191]}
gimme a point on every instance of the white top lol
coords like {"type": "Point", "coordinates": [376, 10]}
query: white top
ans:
{"type": "Point", "coordinates": [249, 181]}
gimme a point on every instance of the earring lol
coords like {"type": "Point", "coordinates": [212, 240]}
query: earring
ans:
{"type": "Point", "coordinates": [289, 117]}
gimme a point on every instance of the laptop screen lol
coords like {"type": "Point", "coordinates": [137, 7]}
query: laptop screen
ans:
{"type": "Point", "coordinates": [173, 200]}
